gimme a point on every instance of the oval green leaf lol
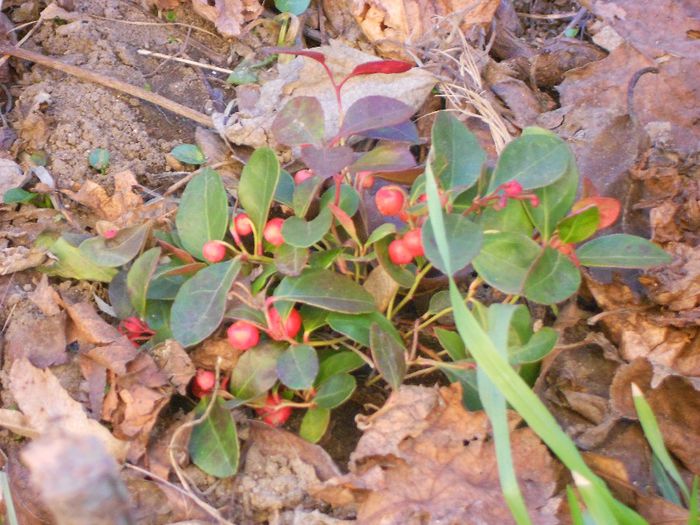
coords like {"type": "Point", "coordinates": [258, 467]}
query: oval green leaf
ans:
{"type": "Point", "coordinates": [302, 234]}
{"type": "Point", "coordinates": [505, 259]}
{"type": "Point", "coordinates": [290, 260]}
{"type": "Point", "coordinates": [297, 367]}
{"type": "Point", "coordinates": [338, 363]}
{"type": "Point", "coordinates": [189, 154]}
{"type": "Point", "coordinates": [552, 278]}
{"type": "Point", "coordinates": [314, 424]}
{"type": "Point", "coordinates": [326, 289]}
{"type": "Point", "coordinates": [255, 372]}
{"type": "Point", "coordinates": [203, 212]}
{"type": "Point", "coordinates": [214, 443]}
{"type": "Point", "coordinates": [380, 232]}
{"type": "Point", "coordinates": [389, 356]}
{"type": "Point", "coordinates": [622, 251]}
{"type": "Point", "coordinates": [99, 159]}
{"type": "Point", "coordinates": [537, 348]}
{"type": "Point", "coordinates": [335, 391]}
{"type": "Point", "coordinates": [466, 239]}
{"type": "Point", "coordinates": [357, 327]}
{"type": "Point", "coordinates": [579, 227]}
{"type": "Point", "coordinates": [296, 7]}
{"type": "Point", "coordinates": [258, 185]}
{"type": "Point", "coordinates": [200, 303]}
{"type": "Point", "coordinates": [139, 277]}
{"type": "Point", "coordinates": [118, 251]}
{"type": "Point", "coordinates": [459, 157]}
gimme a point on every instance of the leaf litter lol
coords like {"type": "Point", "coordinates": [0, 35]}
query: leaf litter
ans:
{"type": "Point", "coordinates": [646, 335]}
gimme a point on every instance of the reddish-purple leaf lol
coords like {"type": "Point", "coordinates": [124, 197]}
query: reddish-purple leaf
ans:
{"type": "Point", "coordinates": [404, 132]}
{"type": "Point", "coordinates": [388, 67]}
{"type": "Point", "coordinates": [318, 57]}
{"type": "Point", "coordinates": [374, 112]}
{"type": "Point", "coordinates": [388, 157]}
{"type": "Point", "coordinates": [326, 162]}
{"type": "Point", "coordinates": [299, 122]}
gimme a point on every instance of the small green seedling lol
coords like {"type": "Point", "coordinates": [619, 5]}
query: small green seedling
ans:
{"type": "Point", "coordinates": [99, 159]}
{"type": "Point", "coordinates": [189, 154]}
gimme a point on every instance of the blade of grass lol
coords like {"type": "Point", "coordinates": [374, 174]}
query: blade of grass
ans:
{"type": "Point", "coordinates": [500, 316]}
{"type": "Point", "coordinates": [667, 488]}
{"type": "Point", "coordinates": [693, 512]}
{"type": "Point", "coordinates": [656, 440]}
{"type": "Point", "coordinates": [596, 505]}
{"type": "Point", "coordinates": [508, 382]}
{"type": "Point", "coordinates": [574, 507]}
{"type": "Point", "coordinates": [7, 497]}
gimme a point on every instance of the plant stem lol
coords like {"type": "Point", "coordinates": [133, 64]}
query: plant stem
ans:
{"type": "Point", "coordinates": [411, 291]}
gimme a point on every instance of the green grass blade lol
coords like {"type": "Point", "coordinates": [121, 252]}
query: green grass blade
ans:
{"type": "Point", "coordinates": [693, 511]}
{"type": "Point", "coordinates": [655, 439]}
{"type": "Point", "coordinates": [596, 503]}
{"type": "Point", "coordinates": [668, 489]}
{"type": "Point", "coordinates": [7, 497]}
{"type": "Point", "coordinates": [574, 508]}
{"type": "Point", "coordinates": [508, 382]}
{"type": "Point", "coordinates": [494, 404]}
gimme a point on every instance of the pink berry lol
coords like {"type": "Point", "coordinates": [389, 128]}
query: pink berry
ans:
{"type": "Point", "coordinates": [366, 179]}
{"type": "Point", "coordinates": [291, 326]}
{"type": "Point", "coordinates": [302, 175]}
{"type": "Point", "coordinates": [203, 383]}
{"type": "Point", "coordinates": [389, 200]}
{"type": "Point", "coordinates": [242, 335]}
{"type": "Point", "coordinates": [242, 224]}
{"type": "Point", "coordinates": [110, 234]}
{"type": "Point", "coordinates": [414, 242]}
{"type": "Point", "coordinates": [512, 188]}
{"type": "Point", "coordinates": [399, 252]}
{"type": "Point", "coordinates": [534, 201]}
{"type": "Point", "coordinates": [273, 232]}
{"type": "Point", "coordinates": [213, 251]}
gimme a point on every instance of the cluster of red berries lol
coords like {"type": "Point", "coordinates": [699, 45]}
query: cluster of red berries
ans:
{"type": "Point", "coordinates": [391, 200]}
{"type": "Point", "coordinates": [243, 335]}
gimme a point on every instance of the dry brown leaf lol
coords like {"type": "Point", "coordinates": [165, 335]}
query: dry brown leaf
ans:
{"type": "Point", "coordinates": [175, 363]}
{"type": "Point", "coordinates": [28, 505]}
{"type": "Point", "coordinates": [45, 298]}
{"type": "Point", "coordinates": [96, 378]}
{"type": "Point", "coordinates": [37, 337]}
{"type": "Point", "coordinates": [205, 355]}
{"type": "Point", "coordinates": [77, 478]}
{"type": "Point", "coordinates": [677, 285]}
{"type": "Point", "coordinates": [228, 15]}
{"type": "Point", "coordinates": [46, 405]}
{"type": "Point", "coordinates": [381, 286]}
{"type": "Point", "coordinates": [19, 258]}
{"type": "Point", "coordinates": [11, 175]}
{"type": "Point", "coordinates": [443, 466]}
{"type": "Point", "coordinates": [390, 24]}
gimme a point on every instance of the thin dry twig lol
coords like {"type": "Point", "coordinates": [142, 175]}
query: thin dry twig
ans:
{"type": "Point", "coordinates": [137, 23]}
{"type": "Point", "coordinates": [111, 83]}
{"type": "Point", "coordinates": [146, 52]}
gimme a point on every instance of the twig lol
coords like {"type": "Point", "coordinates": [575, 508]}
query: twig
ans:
{"type": "Point", "coordinates": [553, 16]}
{"type": "Point", "coordinates": [111, 83]}
{"type": "Point", "coordinates": [22, 41]}
{"type": "Point", "coordinates": [138, 23]}
{"type": "Point", "coordinates": [146, 52]}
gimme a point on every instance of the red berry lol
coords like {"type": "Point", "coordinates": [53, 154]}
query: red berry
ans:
{"type": "Point", "coordinates": [242, 335]}
{"type": "Point", "coordinates": [291, 326]}
{"type": "Point", "coordinates": [534, 201]}
{"type": "Point", "coordinates": [204, 382]}
{"type": "Point", "coordinates": [302, 175]}
{"type": "Point", "coordinates": [414, 243]}
{"type": "Point", "coordinates": [512, 188]}
{"type": "Point", "coordinates": [273, 232]}
{"type": "Point", "coordinates": [272, 413]}
{"type": "Point", "coordinates": [399, 252]}
{"type": "Point", "coordinates": [110, 234]}
{"type": "Point", "coordinates": [366, 179]}
{"type": "Point", "coordinates": [213, 251]}
{"type": "Point", "coordinates": [242, 224]}
{"type": "Point", "coordinates": [389, 200]}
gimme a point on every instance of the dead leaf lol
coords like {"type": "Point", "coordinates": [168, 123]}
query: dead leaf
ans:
{"type": "Point", "coordinates": [45, 298]}
{"type": "Point", "coordinates": [228, 15]}
{"type": "Point", "coordinates": [46, 405]}
{"type": "Point", "coordinates": [39, 338]}
{"type": "Point", "coordinates": [19, 258]}
{"type": "Point", "coordinates": [391, 24]}
{"type": "Point", "coordinates": [175, 363]}
{"type": "Point", "coordinates": [158, 453]}
{"type": "Point", "coordinates": [381, 286]}
{"type": "Point", "coordinates": [11, 175]}
{"type": "Point", "coordinates": [676, 285]}
{"type": "Point", "coordinates": [28, 505]}
{"type": "Point", "coordinates": [216, 153]}
{"type": "Point", "coordinates": [205, 355]}
{"type": "Point", "coordinates": [443, 469]}
{"type": "Point", "coordinates": [96, 378]}
{"type": "Point", "coordinates": [77, 478]}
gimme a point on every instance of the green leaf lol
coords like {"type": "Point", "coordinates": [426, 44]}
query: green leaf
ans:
{"type": "Point", "coordinates": [247, 313]}
{"type": "Point", "coordinates": [285, 189]}
{"type": "Point", "coordinates": [552, 278]}
{"type": "Point", "coordinates": [157, 316]}
{"type": "Point", "coordinates": [537, 348]}
{"type": "Point", "coordinates": [505, 259]}
{"type": "Point", "coordinates": [99, 159]}
{"type": "Point", "coordinates": [338, 363]}
{"type": "Point", "coordinates": [403, 276]}
{"type": "Point", "coordinates": [203, 212]}
{"type": "Point", "coordinates": [326, 289]}
{"type": "Point", "coordinates": [255, 372]}
{"type": "Point", "coordinates": [452, 342]}
{"type": "Point", "coordinates": [199, 305]}
{"type": "Point", "coordinates": [314, 318]}
{"type": "Point", "coordinates": [290, 260]}
{"type": "Point", "coordinates": [512, 218]}
{"type": "Point", "coordinates": [118, 251]}
{"type": "Point", "coordinates": [165, 287]}
{"type": "Point", "coordinates": [622, 251]}
{"type": "Point", "coordinates": [299, 122]}
{"type": "Point", "coordinates": [257, 186]}
{"type": "Point", "coordinates": [466, 238]}
{"type": "Point", "coordinates": [535, 160]}
{"type": "Point", "coordinates": [302, 234]}
{"type": "Point", "coordinates": [389, 356]}
{"type": "Point", "coordinates": [214, 444]}
{"type": "Point", "coordinates": [314, 424]}
{"type": "Point", "coordinates": [385, 157]}
{"type": "Point", "coordinates": [380, 232]}
{"type": "Point", "coordinates": [189, 154]}
{"type": "Point", "coordinates": [458, 156]}
{"type": "Point", "coordinates": [555, 202]}
{"type": "Point", "coordinates": [296, 7]}
{"type": "Point", "coordinates": [119, 296]}
{"type": "Point", "coordinates": [139, 277]}
{"type": "Point", "coordinates": [579, 227]}
{"type": "Point", "coordinates": [349, 199]}
{"type": "Point", "coordinates": [335, 391]}
{"type": "Point", "coordinates": [357, 327]}
{"type": "Point", "coordinates": [15, 195]}
{"type": "Point", "coordinates": [71, 263]}
{"type": "Point", "coordinates": [304, 195]}
{"type": "Point", "coordinates": [297, 367]}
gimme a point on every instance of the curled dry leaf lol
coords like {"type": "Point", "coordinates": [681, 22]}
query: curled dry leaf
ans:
{"type": "Point", "coordinates": [175, 363]}
{"type": "Point", "coordinates": [77, 478]}
{"type": "Point", "coordinates": [443, 466]}
{"type": "Point", "coordinates": [45, 404]}
{"type": "Point", "coordinates": [390, 24]}
{"type": "Point", "coordinates": [18, 258]}
{"type": "Point", "coordinates": [206, 354]}
{"type": "Point", "coordinates": [228, 15]}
